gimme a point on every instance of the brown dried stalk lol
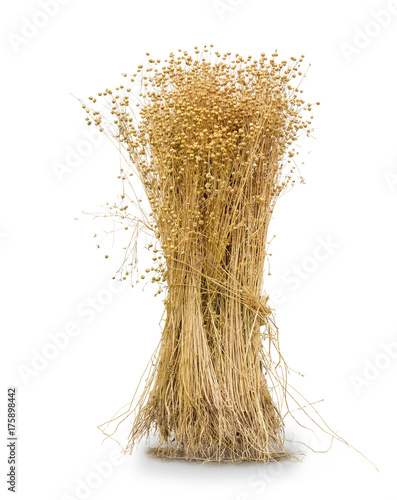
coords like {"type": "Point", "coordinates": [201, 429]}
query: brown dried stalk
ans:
{"type": "Point", "coordinates": [213, 148]}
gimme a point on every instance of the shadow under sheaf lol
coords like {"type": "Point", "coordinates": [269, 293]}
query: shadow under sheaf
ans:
{"type": "Point", "coordinates": [188, 470]}
{"type": "Point", "coordinates": [212, 480]}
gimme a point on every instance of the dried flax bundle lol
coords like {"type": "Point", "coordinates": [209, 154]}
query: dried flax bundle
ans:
{"type": "Point", "coordinates": [211, 141]}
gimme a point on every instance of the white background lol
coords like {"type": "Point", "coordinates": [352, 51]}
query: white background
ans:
{"type": "Point", "coordinates": [335, 319]}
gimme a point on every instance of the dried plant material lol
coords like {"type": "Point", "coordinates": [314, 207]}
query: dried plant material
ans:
{"type": "Point", "coordinates": [211, 139]}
